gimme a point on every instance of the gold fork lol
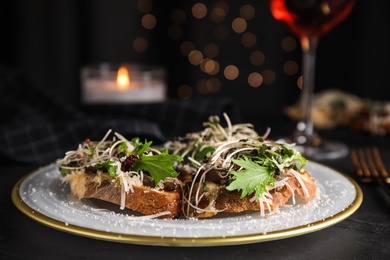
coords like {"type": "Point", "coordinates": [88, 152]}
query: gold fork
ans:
{"type": "Point", "coordinates": [369, 166]}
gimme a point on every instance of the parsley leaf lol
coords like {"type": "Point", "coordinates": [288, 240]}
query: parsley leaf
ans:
{"type": "Point", "coordinates": [159, 166]}
{"type": "Point", "coordinates": [253, 178]}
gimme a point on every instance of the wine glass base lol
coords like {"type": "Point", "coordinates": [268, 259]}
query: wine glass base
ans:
{"type": "Point", "coordinates": [325, 150]}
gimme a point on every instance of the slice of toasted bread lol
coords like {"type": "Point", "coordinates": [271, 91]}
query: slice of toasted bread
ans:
{"type": "Point", "coordinates": [143, 199]}
{"type": "Point", "coordinates": [230, 201]}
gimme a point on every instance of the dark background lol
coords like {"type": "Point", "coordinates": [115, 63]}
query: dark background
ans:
{"type": "Point", "coordinates": [43, 45]}
{"type": "Point", "coordinates": [49, 41]}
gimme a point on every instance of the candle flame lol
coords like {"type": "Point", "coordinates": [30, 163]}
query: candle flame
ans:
{"type": "Point", "coordinates": [123, 78]}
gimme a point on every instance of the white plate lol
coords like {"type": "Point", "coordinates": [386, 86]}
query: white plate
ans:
{"type": "Point", "coordinates": [42, 196]}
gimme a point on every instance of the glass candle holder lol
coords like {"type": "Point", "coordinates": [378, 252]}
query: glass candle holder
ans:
{"type": "Point", "coordinates": [125, 83]}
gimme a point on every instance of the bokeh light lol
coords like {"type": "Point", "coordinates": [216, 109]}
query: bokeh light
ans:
{"type": "Point", "coordinates": [231, 72]}
{"type": "Point", "coordinates": [145, 6]}
{"type": "Point", "coordinates": [290, 67]}
{"type": "Point", "coordinates": [140, 44]}
{"type": "Point", "coordinates": [184, 92]}
{"type": "Point", "coordinates": [199, 10]}
{"type": "Point", "coordinates": [289, 44]}
{"type": "Point", "coordinates": [257, 58]}
{"type": "Point", "coordinates": [255, 79]}
{"type": "Point", "coordinates": [247, 12]}
{"type": "Point", "coordinates": [148, 21]}
{"type": "Point", "coordinates": [209, 55]}
{"type": "Point", "coordinates": [195, 57]}
{"type": "Point", "coordinates": [239, 25]}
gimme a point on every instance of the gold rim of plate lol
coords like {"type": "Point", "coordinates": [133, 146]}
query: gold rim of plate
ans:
{"type": "Point", "coordinates": [180, 241]}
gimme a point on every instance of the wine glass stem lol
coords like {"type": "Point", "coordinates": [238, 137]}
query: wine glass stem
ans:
{"type": "Point", "coordinates": [305, 131]}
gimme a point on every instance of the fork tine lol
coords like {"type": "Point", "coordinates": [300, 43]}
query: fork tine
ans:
{"type": "Point", "coordinates": [371, 163]}
{"type": "Point", "coordinates": [360, 164]}
{"type": "Point", "coordinates": [367, 160]}
{"type": "Point", "coordinates": [380, 165]}
{"type": "Point", "coordinates": [356, 163]}
{"type": "Point", "coordinates": [363, 162]}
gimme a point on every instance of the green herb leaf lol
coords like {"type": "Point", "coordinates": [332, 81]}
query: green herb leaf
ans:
{"type": "Point", "coordinates": [89, 152]}
{"type": "Point", "coordinates": [140, 147]}
{"type": "Point", "coordinates": [110, 167]}
{"type": "Point", "coordinates": [122, 148]}
{"type": "Point", "coordinates": [253, 178]}
{"type": "Point", "coordinates": [290, 157]}
{"type": "Point", "coordinates": [64, 171]}
{"type": "Point", "coordinates": [159, 166]}
{"type": "Point", "coordinates": [201, 152]}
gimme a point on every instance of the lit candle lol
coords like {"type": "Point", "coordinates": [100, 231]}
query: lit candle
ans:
{"type": "Point", "coordinates": [123, 80]}
{"type": "Point", "coordinates": [126, 84]}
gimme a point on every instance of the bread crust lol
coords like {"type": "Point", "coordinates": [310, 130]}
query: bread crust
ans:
{"type": "Point", "coordinates": [151, 201]}
{"type": "Point", "coordinates": [142, 199]}
{"type": "Point", "coordinates": [231, 201]}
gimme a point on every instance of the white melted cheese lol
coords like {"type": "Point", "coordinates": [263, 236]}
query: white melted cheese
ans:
{"type": "Point", "coordinates": [76, 181]}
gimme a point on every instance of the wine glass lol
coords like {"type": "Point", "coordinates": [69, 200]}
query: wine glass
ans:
{"type": "Point", "coordinates": [309, 20]}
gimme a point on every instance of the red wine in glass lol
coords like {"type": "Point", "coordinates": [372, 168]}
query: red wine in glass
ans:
{"type": "Point", "coordinates": [309, 20]}
{"type": "Point", "coordinates": [311, 17]}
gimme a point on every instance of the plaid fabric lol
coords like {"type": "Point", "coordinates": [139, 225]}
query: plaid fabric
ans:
{"type": "Point", "coordinates": [174, 117]}
{"type": "Point", "coordinates": [38, 128]}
